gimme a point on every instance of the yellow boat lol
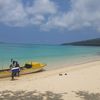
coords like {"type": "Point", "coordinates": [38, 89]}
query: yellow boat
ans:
{"type": "Point", "coordinates": [28, 68]}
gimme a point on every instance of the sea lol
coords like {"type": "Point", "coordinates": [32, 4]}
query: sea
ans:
{"type": "Point", "coordinates": [55, 56]}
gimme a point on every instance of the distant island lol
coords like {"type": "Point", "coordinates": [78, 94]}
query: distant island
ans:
{"type": "Point", "coordinates": [91, 42]}
{"type": "Point", "coordinates": [2, 42]}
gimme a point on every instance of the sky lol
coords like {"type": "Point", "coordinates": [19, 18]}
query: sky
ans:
{"type": "Point", "coordinates": [49, 21]}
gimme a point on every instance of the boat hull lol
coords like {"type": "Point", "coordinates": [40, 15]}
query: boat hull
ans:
{"type": "Point", "coordinates": [7, 72]}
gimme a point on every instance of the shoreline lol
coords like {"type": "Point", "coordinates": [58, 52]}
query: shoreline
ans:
{"type": "Point", "coordinates": [70, 63]}
{"type": "Point", "coordinates": [47, 73]}
{"type": "Point", "coordinates": [64, 66]}
{"type": "Point", "coordinates": [62, 62]}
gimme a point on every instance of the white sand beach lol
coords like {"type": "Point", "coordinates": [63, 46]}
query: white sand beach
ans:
{"type": "Point", "coordinates": [78, 82]}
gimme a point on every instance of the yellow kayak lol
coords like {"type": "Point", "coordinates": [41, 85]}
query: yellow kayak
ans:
{"type": "Point", "coordinates": [28, 68]}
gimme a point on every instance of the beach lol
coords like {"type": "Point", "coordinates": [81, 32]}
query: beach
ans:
{"type": "Point", "coordinates": [49, 50]}
{"type": "Point", "coordinates": [78, 82]}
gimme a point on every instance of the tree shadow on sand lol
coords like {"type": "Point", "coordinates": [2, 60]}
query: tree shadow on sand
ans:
{"type": "Point", "coordinates": [88, 96]}
{"type": "Point", "coordinates": [32, 95]}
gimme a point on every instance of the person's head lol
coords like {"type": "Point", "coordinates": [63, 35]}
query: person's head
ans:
{"type": "Point", "coordinates": [14, 62]}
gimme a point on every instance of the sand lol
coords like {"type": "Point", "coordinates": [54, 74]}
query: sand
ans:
{"type": "Point", "coordinates": [78, 82]}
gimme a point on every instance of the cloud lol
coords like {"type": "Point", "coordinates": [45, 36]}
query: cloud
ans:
{"type": "Point", "coordinates": [42, 7]}
{"type": "Point", "coordinates": [83, 13]}
{"type": "Point", "coordinates": [16, 13]}
{"type": "Point", "coordinates": [12, 13]}
{"type": "Point", "coordinates": [40, 11]}
{"type": "Point", "coordinates": [47, 14]}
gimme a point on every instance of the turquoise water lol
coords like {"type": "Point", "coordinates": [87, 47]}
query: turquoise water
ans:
{"type": "Point", "coordinates": [49, 54]}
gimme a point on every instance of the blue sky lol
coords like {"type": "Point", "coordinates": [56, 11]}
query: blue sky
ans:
{"type": "Point", "coordinates": [49, 21]}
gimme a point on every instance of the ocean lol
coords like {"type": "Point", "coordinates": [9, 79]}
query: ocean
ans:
{"type": "Point", "coordinates": [55, 56]}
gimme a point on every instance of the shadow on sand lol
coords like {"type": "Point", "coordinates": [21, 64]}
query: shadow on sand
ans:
{"type": "Point", "coordinates": [32, 95]}
{"type": "Point", "coordinates": [87, 96]}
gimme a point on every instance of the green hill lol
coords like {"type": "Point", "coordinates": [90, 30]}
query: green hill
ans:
{"type": "Point", "coordinates": [91, 42]}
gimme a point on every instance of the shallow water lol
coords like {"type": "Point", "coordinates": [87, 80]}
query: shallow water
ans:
{"type": "Point", "coordinates": [53, 55]}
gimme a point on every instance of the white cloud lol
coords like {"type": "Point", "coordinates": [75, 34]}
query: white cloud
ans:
{"type": "Point", "coordinates": [12, 13]}
{"type": "Point", "coordinates": [39, 10]}
{"type": "Point", "coordinates": [83, 13]}
{"type": "Point", "coordinates": [42, 7]}
{"type": "Point", "coordinates": [37, 19]}
{"type": "Point", "coordinates": [45, 14]}
{"type": "Point", "coordinates": [15, 13]}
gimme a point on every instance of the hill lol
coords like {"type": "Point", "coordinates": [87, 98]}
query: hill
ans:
{"type": "Point", "coordinates": [91, 42]}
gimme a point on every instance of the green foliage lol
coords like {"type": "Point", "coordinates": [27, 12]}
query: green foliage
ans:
{"type": "Point", "coordinates": [92, 42]}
